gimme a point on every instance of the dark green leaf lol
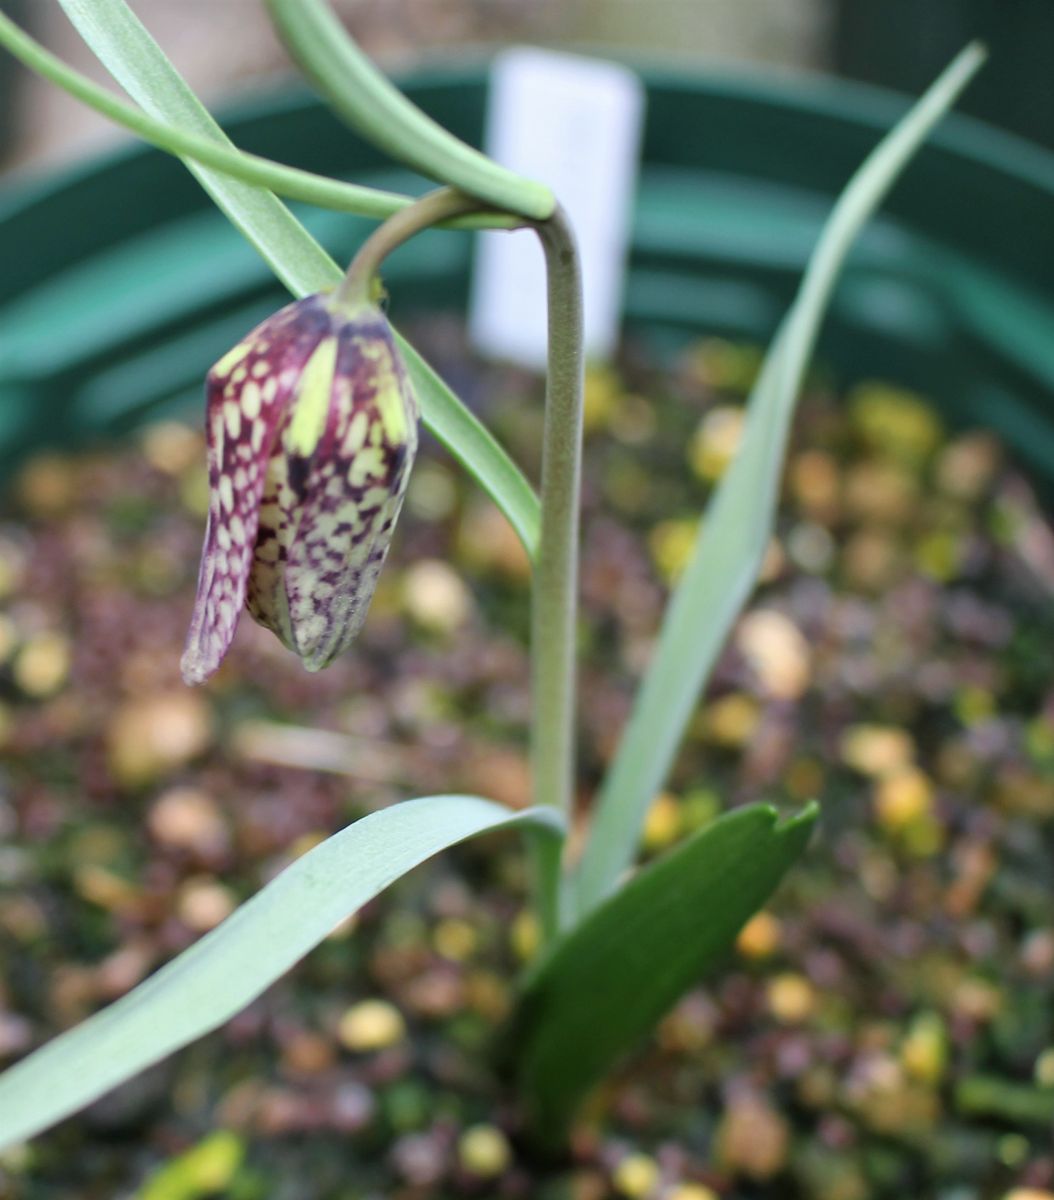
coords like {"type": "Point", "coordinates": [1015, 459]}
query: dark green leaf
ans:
{"type": "Point", "coordinates": [606, 983]}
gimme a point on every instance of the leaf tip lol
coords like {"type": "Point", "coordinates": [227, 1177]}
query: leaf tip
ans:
{"type": "Point", "coordinates": [798, 826]}
{"type": "Point", "coordinates": [977, 50]}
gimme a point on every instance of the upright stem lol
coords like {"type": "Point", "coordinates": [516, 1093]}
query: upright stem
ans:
{"type": "Point", "coordinates": [357, 286]}
{"type": "Point", "coordinates": [555, 584]}
{"type": "Point", "coordinates": [554, 607]}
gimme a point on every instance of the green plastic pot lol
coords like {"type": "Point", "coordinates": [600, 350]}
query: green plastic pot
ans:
{"type": "Point", "coordinates": [1016, 88]}
{"type": "Point", "coordinates": [10, 70]}
{"type": "Point", "coordinates": [121, 284]}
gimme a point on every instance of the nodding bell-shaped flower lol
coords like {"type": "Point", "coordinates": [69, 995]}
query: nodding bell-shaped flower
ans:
{"type": "Point", "coordinates": [312, 430]}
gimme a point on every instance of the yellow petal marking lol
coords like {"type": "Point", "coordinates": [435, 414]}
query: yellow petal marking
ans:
{"type": "Point", "coordinates": [386, 389]}
{"type": "Point", "coordinates": [312, 399]}
{"type": "Point", "coordinates": [231, 359]}
{"type": "Point", "coordinates": [251, 399]}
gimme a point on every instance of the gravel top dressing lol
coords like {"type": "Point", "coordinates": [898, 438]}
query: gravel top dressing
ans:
{"type": "Point", "coordinates": [886, 1028]}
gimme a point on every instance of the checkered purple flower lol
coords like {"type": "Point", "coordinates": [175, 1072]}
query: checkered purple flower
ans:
{"type": "Point", "coordinates": [312, 430]}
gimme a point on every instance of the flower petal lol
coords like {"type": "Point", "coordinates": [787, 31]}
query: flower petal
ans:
{"type": "Point", "coordinates": [341, 501]}
{"type": "Point", "coordinates": [247, 393]}
{"type": "Point", "coordinates": [305, 423]}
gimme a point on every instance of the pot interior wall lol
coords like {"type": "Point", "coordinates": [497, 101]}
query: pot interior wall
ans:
{"type": "Point", "coordinates": [121, 284]}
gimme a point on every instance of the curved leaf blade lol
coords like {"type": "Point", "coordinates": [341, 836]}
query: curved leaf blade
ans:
{"type": "Point", "coordinates": [473, 445]}
{"type": "Point", "coordinates": [605, 984]}
{"type": "Point", "coordinates": [140, 66]}
{"type": "Point", "coordinates": [238, 960]}
{"type": "Point", "coordinates": [364, 97]}
{"type": "Point", "coordinates": [289, 181]}
{"type": "Point", "coordinates": [732, 539]}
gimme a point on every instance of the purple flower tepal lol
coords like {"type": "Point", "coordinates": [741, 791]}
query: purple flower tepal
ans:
{"type": "Point", "coordinates": [312, 429]}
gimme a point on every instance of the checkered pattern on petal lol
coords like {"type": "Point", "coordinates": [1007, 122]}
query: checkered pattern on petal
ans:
{"type": "Point", "coordinates": [339, 505]}
{"type": "Point", "coordinates": [247, 394]}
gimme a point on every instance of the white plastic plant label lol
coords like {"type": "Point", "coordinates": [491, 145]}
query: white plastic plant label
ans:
{"type": "Point", "coordinates": [575, 124]}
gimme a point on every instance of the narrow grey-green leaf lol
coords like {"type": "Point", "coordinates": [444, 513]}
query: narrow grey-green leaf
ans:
{"type": "Point", "coordinates": [366, 99]}
{"type": "Point", "coordinates": [605, 984]}
{"type": "Point", "coordinates": [289, 181]}
{"type": "Point", "coordinates": [229, 967]}
{"type": "Point", "coordinates": [283, 180]}
{"type": "Point", "coordinates": [469, 441]}
{"type": "Point", "coordinates": [139, 65]}
{"type": "Point", "coordinates": [733, 537]}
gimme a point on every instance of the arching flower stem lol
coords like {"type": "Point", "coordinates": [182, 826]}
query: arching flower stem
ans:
{"type": "Point", "coordinates": [555, 580]}
{"type": "Point", "coordinates": [360, 280]}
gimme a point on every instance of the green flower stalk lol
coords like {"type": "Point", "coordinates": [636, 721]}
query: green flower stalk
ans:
{"type": "Point", "coordinates": [312, 430]}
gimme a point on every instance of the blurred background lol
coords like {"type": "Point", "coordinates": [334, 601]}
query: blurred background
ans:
{"type": "Point", "coordinates": [886, 1029]}
{"type": "Point", "coordinates": [222, 45]}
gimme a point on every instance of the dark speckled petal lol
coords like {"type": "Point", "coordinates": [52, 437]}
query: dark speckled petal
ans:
{"type": "Point", "coordinates": [312, 430]}
{"type": "Point", "coordinates": [345, 499]}
{"type": "Point", "coordinates": [248, 392]}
